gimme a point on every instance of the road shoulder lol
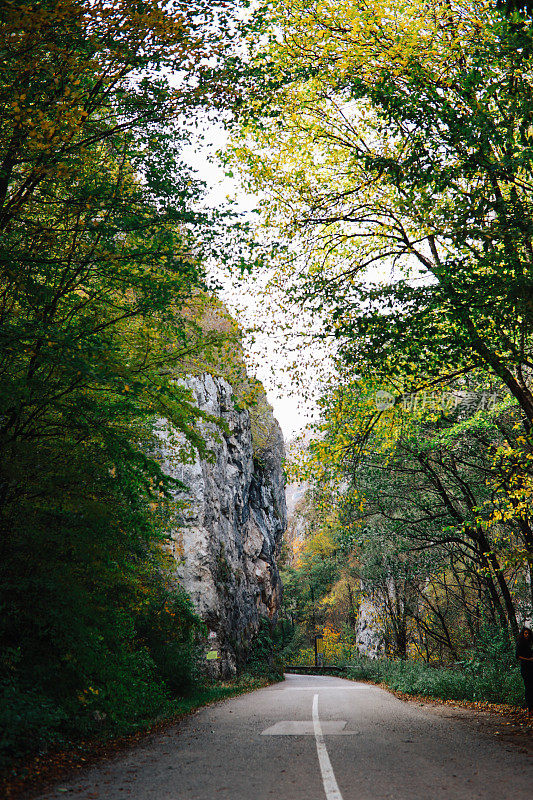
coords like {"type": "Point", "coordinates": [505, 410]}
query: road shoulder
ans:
{"type": "Point", "coordinates": [507, 724]}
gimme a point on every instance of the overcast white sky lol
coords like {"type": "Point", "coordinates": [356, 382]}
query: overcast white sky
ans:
{"type": "Point", "coordinates": [266, 362]}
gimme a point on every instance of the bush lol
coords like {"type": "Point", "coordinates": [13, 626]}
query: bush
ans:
{"type": "Point", "coordinates": [171, 630]}
{"type": "Point", "coordinates": [264, 658]}
{"type": "Point", "coordinates": [490, 674]}
{"type": "Point", "coordinates": [86, 658]}
{"type": "Point", "coordinates": [28, 721]}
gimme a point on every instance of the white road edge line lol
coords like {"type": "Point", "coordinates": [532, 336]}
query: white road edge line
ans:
{"type": "Point", "coordinates": [328, 776]}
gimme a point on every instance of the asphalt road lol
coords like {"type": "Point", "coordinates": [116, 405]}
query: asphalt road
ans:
{"type": "Point", "coordinates": [312, 738]}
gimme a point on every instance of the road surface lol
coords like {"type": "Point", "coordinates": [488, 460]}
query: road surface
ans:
{"type": "Point", "coordinates": [312, 738]}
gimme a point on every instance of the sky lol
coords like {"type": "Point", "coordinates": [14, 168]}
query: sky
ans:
{"type": "Point", "coordinates": [293, 408]}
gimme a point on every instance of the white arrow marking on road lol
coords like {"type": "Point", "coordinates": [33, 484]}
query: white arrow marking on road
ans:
{"type": "Point", "coordinates": [328, 776]}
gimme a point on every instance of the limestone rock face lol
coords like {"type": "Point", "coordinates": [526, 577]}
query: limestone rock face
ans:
{"type": "Point", "coordinates": [369, 637]}
{"type": "Point", "coordinates": [227, 539]}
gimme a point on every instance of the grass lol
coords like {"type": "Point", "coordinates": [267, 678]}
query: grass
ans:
{"type": "Point", "coordinates": [205, 695]}
{"type": "Point", "coordinates": [470, 681]}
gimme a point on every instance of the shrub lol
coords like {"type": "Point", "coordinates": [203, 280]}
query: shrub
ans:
{"type": "Point", "coordinates": [488, 682]}
{"type": "Point", "coordinates": [264, 658]}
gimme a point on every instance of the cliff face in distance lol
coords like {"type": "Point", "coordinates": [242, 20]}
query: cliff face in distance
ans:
{"type": "Point", "coordinates": [228, 538]}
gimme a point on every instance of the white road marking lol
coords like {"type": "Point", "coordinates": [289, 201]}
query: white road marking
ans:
{"type": "Point", "coordinates": [328, 776]}
{"type": "Point", "coordinates": [306, 728]}
{"type": "Point", "coordinates": [290, 688]}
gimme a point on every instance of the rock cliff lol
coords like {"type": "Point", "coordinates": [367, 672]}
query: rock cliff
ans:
{"type": "Point", "coordinates": [369, 636]}
{"type": "Point", "coordinates": [228, 536]}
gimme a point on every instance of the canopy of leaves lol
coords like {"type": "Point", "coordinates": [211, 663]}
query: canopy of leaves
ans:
{"type": "Point", "coordinates": [394, 140]}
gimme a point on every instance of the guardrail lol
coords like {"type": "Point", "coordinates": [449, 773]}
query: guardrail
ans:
{"type": "Point", "coordinates": [307, 670]}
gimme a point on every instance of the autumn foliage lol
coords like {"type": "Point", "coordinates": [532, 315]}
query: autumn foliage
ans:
{"type": "Point", "coordinates": [102, 282]}
{"type": "Point", "coordinates": [391, 146]}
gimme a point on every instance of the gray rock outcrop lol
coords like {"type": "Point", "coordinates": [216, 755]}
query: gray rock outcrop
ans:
{"type": "Point", "coordinates": [369, 635]}
{"type": "Point", "coordinates": [227, 538]}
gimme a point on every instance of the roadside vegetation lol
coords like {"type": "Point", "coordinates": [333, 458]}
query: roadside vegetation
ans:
{"type": "Point", "coordinates": [47, 765]}
{"type": "Point", "coordinates": [486, 673]}
{"type": "Point", "coordinates": [104, 301]}
{"type": "Point", "coordinates": [391, 145]}
{"type": "Point", "coordinates": [474, 681]}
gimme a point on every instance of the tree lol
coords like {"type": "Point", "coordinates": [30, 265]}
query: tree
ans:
{"type": "Point", "coordinates": [97, 211]}
{"type": "Point", "coordinates": [418, 500]}
{"type": "Point", "coordinates": [102, 294]}
{"type": "Point", "coordinates": [400, 136]}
